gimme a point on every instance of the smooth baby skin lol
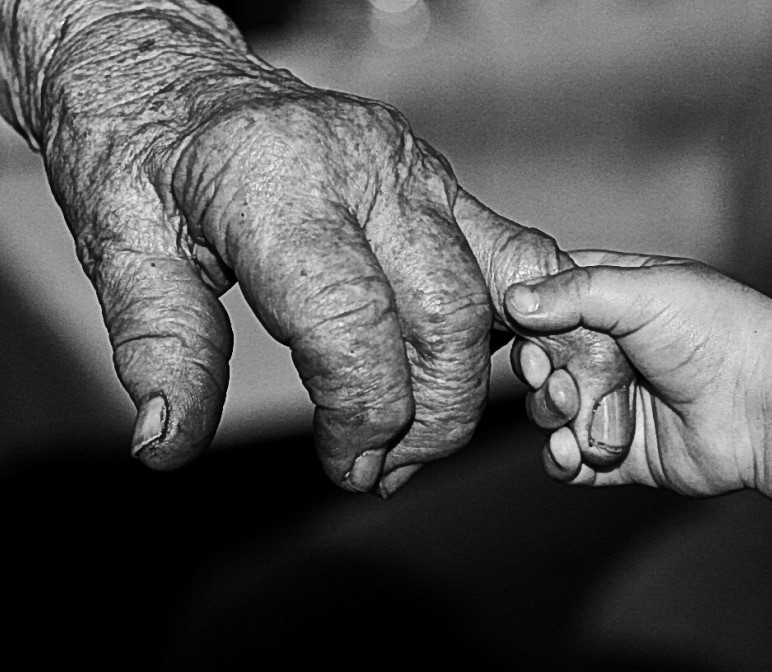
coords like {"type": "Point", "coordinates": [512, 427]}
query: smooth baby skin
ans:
{"type": "Point", "coordinates": [702, 346]}
{"type": "Point", "coordinates": [183, 163]}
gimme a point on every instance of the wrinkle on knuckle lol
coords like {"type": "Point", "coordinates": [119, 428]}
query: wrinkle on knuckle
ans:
{"type": "Point", "coordinates": [448, 379]}
{"type": "Point", "coordinates": [447, 318]}
{"type": "Point", "coordinates": [581, 282]}
{"type": "Point", "coordinates": [362, 302]}
{"type": "Point", "coordinates": [522, 254]}
{"type": "Point", "coordinates": [348, 326]}
{"type": "Point", "coordinates": [247, 168]}
{"type": "Point", "coordinates": [142, 294]}
{"type": "Point", "coordinates": [366, 414]}
{"type": "Point", "coordinates": [149, 321]}
{"type": "Point", "coordinates": [389, 405]}
{"type": "Point", "coordinates": [172, 362]}
{"type": "Point", "coordinates": [387, 124]}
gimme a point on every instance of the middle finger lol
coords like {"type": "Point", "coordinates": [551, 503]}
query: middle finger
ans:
{"type": "Point", "coordinates": [444, 309]}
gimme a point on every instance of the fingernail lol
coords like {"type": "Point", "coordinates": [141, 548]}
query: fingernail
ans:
{"type": "Point", "coordinates": [150, 424]}
{"type": "Point", "coordinates": [394, 480]}
{"type": "Point", "coordinates": [612, 421]}
{"type": "Point", "coordinates": [564, 453]}
{"type": "Point", "coordinates": [523, 299]}
{"type": "Point", "coordinates": [365, 471]}
{"type": "Point", "coordinates": [535, 364]}
{"type": "Point", "coordinates": [558, 399]}
{"type": "Point", "coordinates": [551, 466]}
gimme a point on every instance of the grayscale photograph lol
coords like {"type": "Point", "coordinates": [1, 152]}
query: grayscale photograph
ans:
{"type": "Point", "coordinates": [386, 335]}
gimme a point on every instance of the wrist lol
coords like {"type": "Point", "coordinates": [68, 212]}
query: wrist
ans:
{"type": "Point", "coordinates": [39, 38]}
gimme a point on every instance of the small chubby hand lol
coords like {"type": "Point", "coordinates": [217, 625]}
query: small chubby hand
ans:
{"type": "Point", "coordinates": [701, 345]}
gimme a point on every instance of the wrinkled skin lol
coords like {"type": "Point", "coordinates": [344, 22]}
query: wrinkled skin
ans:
{"type": "Point", "coordinates": [702, 344]}
{"type": "Point", "coordinates": [184, 164]}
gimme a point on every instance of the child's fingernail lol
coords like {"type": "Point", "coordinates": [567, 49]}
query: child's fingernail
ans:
{"type": "Point", "coordinates": [535, 364]}
{"type": "Point", "coordinates": [365, 471]}
{"type": "Point", "coordinates": [150, 424]}
{"type": "Point", "coordinates": [612, 421]}
{"type": "Point", "coordinates": [524, 299]}
{"type": "Point", "coordinates": [564, 454]}
{"type": "Point", "coordinates": [561, 397]}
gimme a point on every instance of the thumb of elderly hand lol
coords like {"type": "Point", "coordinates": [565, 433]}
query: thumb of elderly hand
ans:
{"type": "Point", "coordinates": [170, 335]}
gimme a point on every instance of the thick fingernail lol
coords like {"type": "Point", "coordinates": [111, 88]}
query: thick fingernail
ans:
{"type": "Point", "coordinates": [394, 480]}
{"type": "Point", "coordinates": [365, 471]}
{"type": "Point", "coordinates": [613, 421]}
{"type": "Point", "coordinates": [523, 299]}
{"type": "Point", "coordinates": [150, 424]}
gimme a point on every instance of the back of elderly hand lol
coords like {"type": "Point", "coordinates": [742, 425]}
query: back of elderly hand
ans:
{"type": "Point", "coordinates": [183, 163]}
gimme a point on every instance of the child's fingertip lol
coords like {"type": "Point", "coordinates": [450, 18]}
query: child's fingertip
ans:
{"type": "Point", "coordinates": [522, 299]}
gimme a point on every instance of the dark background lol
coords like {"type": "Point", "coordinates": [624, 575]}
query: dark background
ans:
{"type": "Point", "coordinates": [251, 557]}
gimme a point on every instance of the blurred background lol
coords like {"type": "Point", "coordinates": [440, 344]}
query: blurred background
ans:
{"type": "Point", "coordinates": [637, 125]}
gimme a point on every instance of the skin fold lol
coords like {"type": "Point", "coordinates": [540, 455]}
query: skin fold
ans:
{"type": "Point", "coordinates": [183, 164]}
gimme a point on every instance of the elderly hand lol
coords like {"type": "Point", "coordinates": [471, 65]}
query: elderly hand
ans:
{"type": "Point", "coordinates": [702, 344]}
{"type": "Point", "coordinates": [183, 163]}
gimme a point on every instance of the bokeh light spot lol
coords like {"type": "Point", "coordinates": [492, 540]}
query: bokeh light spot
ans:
{"type": "Point", "coordinates": [402, 28]}
{"type": "Point", "coordinates": [393, 6]}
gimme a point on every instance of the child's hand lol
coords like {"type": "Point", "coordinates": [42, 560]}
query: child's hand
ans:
{"type": "Point", "coordinates": [701, 344]}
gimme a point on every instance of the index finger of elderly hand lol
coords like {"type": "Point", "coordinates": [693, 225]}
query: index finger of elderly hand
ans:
{"type": "Point", "coordinates": [170, 335]}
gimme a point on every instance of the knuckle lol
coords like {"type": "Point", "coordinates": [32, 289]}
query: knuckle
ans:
{"type": "Point", "coordinates": [148, 297]}
{"type": "Point", "coordinates": [363, 302]}
{"type": "Point", "coordinates": [450, 319]}
{"type": "Point", "coordinates": [581, 281]}
{"type": "Point", "coordinates": [386, 122]}
{"type": "Point", "coordinates": [348, 348]}
{"type": "Point", "coordinates": [388, 138]}
{"type": "Point", "coordinates": [521, 254]}
{"type": "Point", "coordinates": [386, 414]}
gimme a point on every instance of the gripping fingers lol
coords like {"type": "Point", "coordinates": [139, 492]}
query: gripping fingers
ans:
{"type": "Point", "coordinates": [562, 457]}
{"type": "Point", "coordinates": [605, 421]}
{"type": "Point", "coordinates": [317, 287]}
{"type": "Point", "coordinates": [340, 322]}
{"type": "Point", "coordinates": [592, 390]}
{"type": "Point", "coordinates": [563, 462]}
{"type": "Point", "coordinates": [270, 206]}
{"type": "Point", "coordinates": [445, 316]}
{"type": "Point", "coordinates": [530, 363]}
{"type": "Point", "coordinates": [509, 254]}
{"type": "Point", "coordinates": [446, 324]}
{"type": "Point", "coordinates": [556, 402]}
